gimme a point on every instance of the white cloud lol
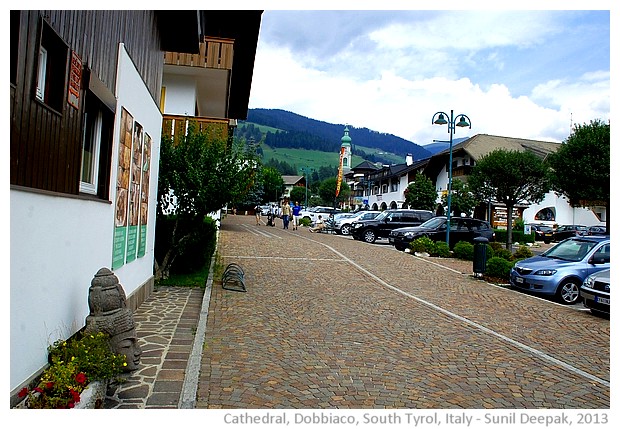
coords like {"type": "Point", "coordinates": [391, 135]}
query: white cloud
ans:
{"type": "Point", "coordinates": [404, 74]}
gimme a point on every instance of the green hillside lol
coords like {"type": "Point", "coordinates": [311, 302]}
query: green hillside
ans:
{"type": "Point", "coordinates": [315, 159]}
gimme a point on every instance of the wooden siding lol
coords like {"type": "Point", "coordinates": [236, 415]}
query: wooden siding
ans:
{"type": "Point", "coordinates": [214, 53]}
{"type": "Point", "coordinates": [46, 144]}
{"type": "Point", "coordinates": [176, 126]}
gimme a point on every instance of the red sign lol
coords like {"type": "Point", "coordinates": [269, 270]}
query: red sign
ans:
{"type": "Point", "coordinates": [75, 80]}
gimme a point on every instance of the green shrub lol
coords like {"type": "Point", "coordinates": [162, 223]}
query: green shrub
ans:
{"type": "Point", "coordinates": [464, 250]}
{"type": "Point", "coordinates": [496, 245]}
{"type": "Point", "coordinates": [193, 253]}
{"type": "Point", "coordinates": [523, 252]}
{"type": "Point", "coordinates": [422, 244]}
{"type": "Point", "coordinates": [305, 222]}
{"type": "Point", "coordinates": [501, 236]}
{"type": "Point", "coordinates": [440, 249]}
{"type": "Point", "coordinates": [504, 254]}
{"type": "Point", "coordinates": [490, 251]}
{"type": "Point", "coordinates": [498, 268]}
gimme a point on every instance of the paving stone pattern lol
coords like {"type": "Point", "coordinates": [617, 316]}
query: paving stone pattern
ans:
{"type": "Point", "coordinates": [328, 322]}
{"type": "Point", "coordinates": [165, 325]}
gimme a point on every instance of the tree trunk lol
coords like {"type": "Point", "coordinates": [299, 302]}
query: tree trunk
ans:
{"type": "Point", "coordinates": [509, 226]}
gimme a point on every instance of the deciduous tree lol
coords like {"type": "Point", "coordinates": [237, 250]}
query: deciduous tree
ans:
{"type": "Point", "coordinates": [580, 169]}
{"type": "Point", "coordinates": [510, 177]}
{"type": "Point", "coordinates": [421, 194]}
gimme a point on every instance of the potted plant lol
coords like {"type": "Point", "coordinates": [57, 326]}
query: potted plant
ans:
{"type": "Point", "coordinates": [77, 368]}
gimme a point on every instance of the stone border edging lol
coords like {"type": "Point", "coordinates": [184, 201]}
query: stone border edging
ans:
{"type": "Point", "coordinates": [187, 400]}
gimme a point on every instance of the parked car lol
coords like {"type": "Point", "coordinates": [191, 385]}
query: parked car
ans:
{"type": "Point", "coordinates": [343, 224]}
{"type": "Point", "coordinates": [543, 233]}
{"type": "Point", "coordinates": [461, 229]}
{"type": "Point", "coordinates": [264, 210]}
{"type": "Point", "coordinates": [561, 270]}
{"type": "Point", "coordinates": [596, 230]}
{"type": "Point", "coordinates": [313, 213]}
{"type": "Point", "coordinates": [371, 229]}
{"type": "Point", "coordinates": [595, 292]}
{"type": "Point", "coordinates": [565, 231]}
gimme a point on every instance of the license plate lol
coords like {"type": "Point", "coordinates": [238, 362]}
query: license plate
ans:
{"type": "Point", "coordinates": [601, 300]}
{"type": "Point", "coordinates": [518, 280]}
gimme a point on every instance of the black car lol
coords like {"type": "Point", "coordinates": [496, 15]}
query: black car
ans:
{"type": "Point", "coordinates": [542, 233]}
{"type": "Point", "coordinates": [462, 229]}
{"type": "Point", "coordinates": [566, 231]}
{"type": "Point", "coordinates": [380, 227]}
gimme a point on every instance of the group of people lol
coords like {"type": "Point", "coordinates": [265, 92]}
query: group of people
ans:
{"type": "Point", "coordinates": [286, 212]}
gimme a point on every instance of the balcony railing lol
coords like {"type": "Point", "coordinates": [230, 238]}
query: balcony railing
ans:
{"type": "Point", "coordinates": [176, 126]}
{"type": "Point", "coordinates": [214, 53]}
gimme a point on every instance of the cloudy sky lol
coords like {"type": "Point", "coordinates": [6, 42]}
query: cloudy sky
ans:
{"type": "Point", "coordinates": [520, 73]}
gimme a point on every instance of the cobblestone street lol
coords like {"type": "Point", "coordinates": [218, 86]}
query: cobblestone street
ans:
{"type": "Point", "coordinates": [328, 322]}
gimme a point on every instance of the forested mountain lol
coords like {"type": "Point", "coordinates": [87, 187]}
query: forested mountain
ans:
{"type": "Point", "coordinates": [296, 131]}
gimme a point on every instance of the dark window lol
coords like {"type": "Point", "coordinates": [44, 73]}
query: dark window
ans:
{"type": "Point", "coordinates": [51, 69]}
{"type": "Point", "coordinates": [14, 44]}
{"type": "Point", "coordinates": [96, 147]}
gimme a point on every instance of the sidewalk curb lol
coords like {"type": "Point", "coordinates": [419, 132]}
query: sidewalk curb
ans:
{"type": "Point", "coordinates": [187, 400]}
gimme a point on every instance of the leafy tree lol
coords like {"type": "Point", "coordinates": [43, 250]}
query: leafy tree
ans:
{"type": "Point", "coordinates": [421, 193]}
{"type": "Point", "coordinates": [580, 169]}
{"type": "Point", "coordinates": [199, 174]}
{"type": "Point", "coordinates": [510, 177]}
{"type": "Point", "coordinates": [327, 191]}
{"type": "Point", "coordinates": [462, 201]}
{"type": "Point", "coordinates": [273, 184]}
{"type": "Point", "coordinates": [298, 194]}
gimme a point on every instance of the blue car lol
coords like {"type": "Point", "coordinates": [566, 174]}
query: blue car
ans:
{"type": "Point", "coordinates": [561, 270]}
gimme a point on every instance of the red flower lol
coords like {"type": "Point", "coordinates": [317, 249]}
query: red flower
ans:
{"type": "Point", "coordinates": [23, 392]}
{"type": "Point", "coordinates": [38, 389]}
{"type": "Point", "coordinates": [49, 385]}
{"type": "Point", "coordinates": [75, 395]}
{"type": "Point", "coordinates": [80, 378]}
{"type": "Point", "coordinates": [70, 405]}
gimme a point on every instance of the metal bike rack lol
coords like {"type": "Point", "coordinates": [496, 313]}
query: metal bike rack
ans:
{"type": "Point", "coordinates": [233, 278]}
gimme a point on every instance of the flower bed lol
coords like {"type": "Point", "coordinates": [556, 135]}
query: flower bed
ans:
{"type": "Point", "coordinates": [77, 376]}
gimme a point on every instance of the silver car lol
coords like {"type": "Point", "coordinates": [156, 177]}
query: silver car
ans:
{"type": "Point", "coordinates": [595, 292]}
{"type": "Point", "coordinates": [342, 224]}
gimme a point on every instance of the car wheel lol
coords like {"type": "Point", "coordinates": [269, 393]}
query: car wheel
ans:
{"type": "Point", "coordinates": [568, 291]}
{"type": "Point", "coordinates": [345, 229]}
{"type": "Point", "coordinates": [369, 236]}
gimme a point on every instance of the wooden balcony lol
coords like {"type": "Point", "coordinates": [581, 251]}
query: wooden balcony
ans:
{"type": "Point", "coordinates": [214, 53]}
{"type": "Point", "coordinates": [176, 126]}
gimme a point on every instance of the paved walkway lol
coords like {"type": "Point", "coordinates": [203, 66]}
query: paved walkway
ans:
{"type": "Point", "coordinates": [328, 322]}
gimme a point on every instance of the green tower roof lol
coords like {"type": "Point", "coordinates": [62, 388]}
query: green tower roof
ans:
{"type": "Point", "coordinates": [346, 140]}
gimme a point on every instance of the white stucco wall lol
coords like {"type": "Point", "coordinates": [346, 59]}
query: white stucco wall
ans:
{"type": "Point", "coordinates": [59, 243]}
{"type": "Point", "coordinates": [564, 213]}
{"type": "Point", "coordinates": [180, 95]}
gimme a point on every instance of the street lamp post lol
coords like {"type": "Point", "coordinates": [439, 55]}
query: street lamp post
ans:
{"type": "Point", "coordinates": [441, 120]}
{"type": "Point", "coordinates": [306, 171]}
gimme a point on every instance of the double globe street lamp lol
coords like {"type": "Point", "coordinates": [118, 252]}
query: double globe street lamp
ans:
{"type": "Point", "coordinates": [464, 121]}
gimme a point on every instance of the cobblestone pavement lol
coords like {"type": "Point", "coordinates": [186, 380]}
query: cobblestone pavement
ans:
{"type": "Point", "coordinates": [165, 324]}
{"type": "Point", "coordinates": [328, 322]}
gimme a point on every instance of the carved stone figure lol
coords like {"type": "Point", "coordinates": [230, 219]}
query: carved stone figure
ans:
{"type": "Point", "coordinates": [109, 314]}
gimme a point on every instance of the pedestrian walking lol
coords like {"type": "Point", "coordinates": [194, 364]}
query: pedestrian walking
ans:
{"type": "Point", "coordinates": [286, 213]}
{"type": "Point", "coordinates": [257, 211]}
{"type": "Point", "coordinates": [296, 215]}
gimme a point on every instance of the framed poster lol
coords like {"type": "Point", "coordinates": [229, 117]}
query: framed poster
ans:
{"type": "Point", "coordinates": [144, 194]}
{"type": "Point", "coordinates": [122, 190]}
{"type": "Point", "coordinates": [134, 193]}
